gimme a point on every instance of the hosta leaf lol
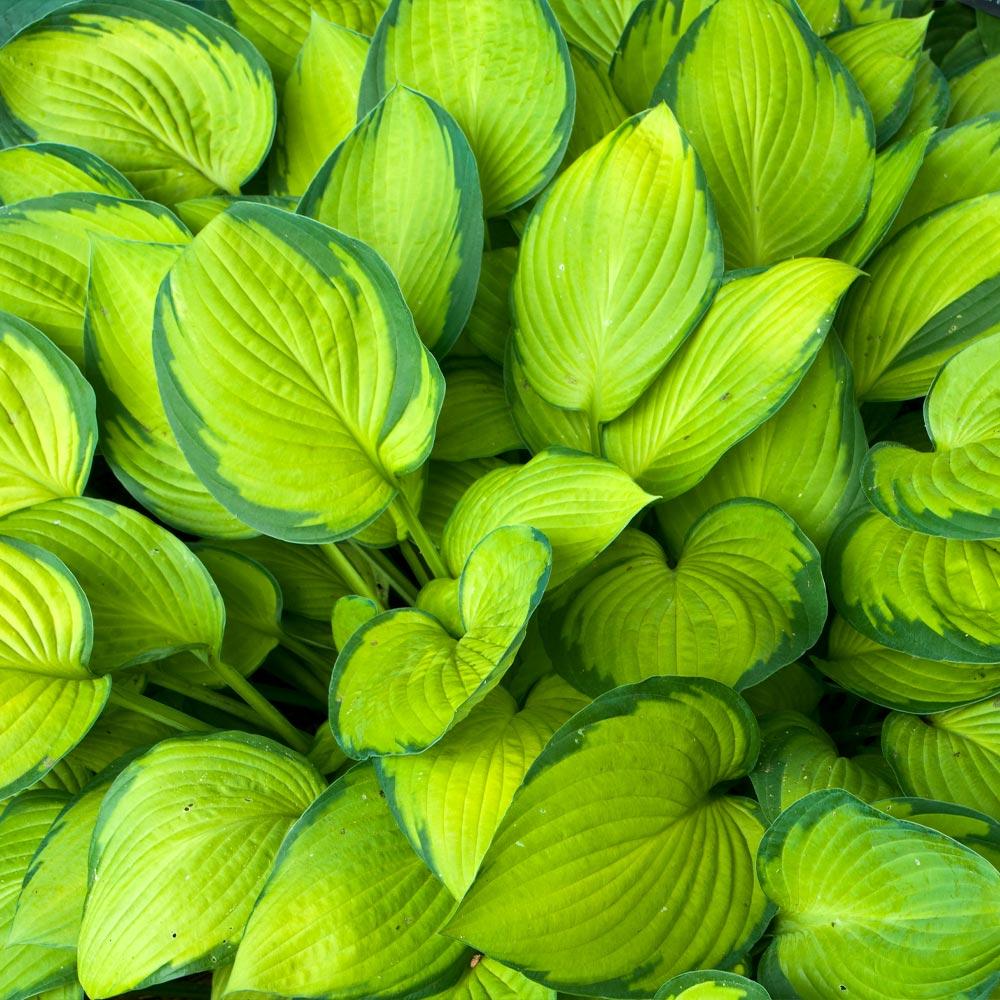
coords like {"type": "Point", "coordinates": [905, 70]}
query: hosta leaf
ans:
{"type": "Point", "coordinates": [26, 970]}
{"type": "Point", "coordinates": [593, 25]}
{"type": "Point", "coordinates": [149, 594]}
{"type": "Point", "coordinates": [48, 428]}
{"type": "Point", "coordinates": [937, 598]}
{"type": "Point", "coordinates": [617, 828]}
{"type": "Point", "coordinates": [973, 829]}
{"type": "Point", "coordinates": [795, 688]}
{"type": "Point", "coordinates": [319, 104]}
{"type": "Point", "coordinates": [48, 698]}
{"type": "Point", "coordinates": [292, 374]}
{"type": "Point", "coordinates": [882, 57]}
{"type": "Point", "coordinates": [40, 169]}
{"type": "Point", "coordinates": [475, 419]}
{"type": "Point", "coordinates": [771, 206]}
{"type": "Point", "coordinates": [423, 215]}
{"type": "Point", "coordinates": [598, 109]}
{"type": "Point", "coordinates": [743, 598]}
{"type": "Point", "coordinates": [953, 491]}
{"type": "Point", "coordinates": [540, 424]}
{"type": "Point", "coordinates": [824, 16]}
{"type": "Point", "coordinates": [482, 63]}
{"type": "Point", "coordinates": [136, 438]}
{"type": "Point", "coordinates": [989, 31]}
{"type": "Point", "coordinates": [192, 812]}
{"type": "Point", "coordinates": [93, 73]}
{"type": "Point", "coordinates": [407, 677]}
{"type": "Point", "coordinates": [925, 298]}
{"type": "Point", "coordinates": [898, 680]}
{"type": "Point", "coordinates": [753, 347]}
{"type": "Point", "coordinates": [948, 24]}
{"type": "Point", "coordinates": [600, 307]}
{"type": "Point", "coordinates": [954, 756]}
{"type": "Point", "coordinates": [976, 91]}
{"type": "Point", "coordinates": [711, 986]}
{"type": "Point", "coordinates": [580, 503]}
{"type": "Point", "coordinates": [868, 905]}
{"type": "Point", "coordinates": [490, 320]}
{"type": "Point", "coordinates": [806, 459]}
{"type": "Point", "coordinates": [480, 763]}
{"type": "Point", "coordinates": [489, 980]}
{"type": "Point", "coordinates": [446, 484]}
{"type": "Point", "coordinates": [349, 910]}
{"type": "Point", "coordinates": [931, 100]}
{"type": "Point", "coordinates": [871, 11]}
{"type": "Point", "coordinates": [196, 213]}
{"type": "Point", "coordinates": [45, 255]}
{"type": "Point", "coordinates": [117, 732]}
{"type": "Point", "coordinates": [967, 52]}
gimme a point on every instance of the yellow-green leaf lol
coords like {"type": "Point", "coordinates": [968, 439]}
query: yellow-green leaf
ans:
{"type": "Point", "coordinates": [976, 91]}
{"type": "Point", "coordinates": [598, 109]}
{"type": "Point", "coordinates": [475, 421]}
{"type": "Point", "coordinates": [40, 169]}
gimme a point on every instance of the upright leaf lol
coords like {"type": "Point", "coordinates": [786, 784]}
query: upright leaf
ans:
{"type": "Point", "coordinates": [490, 320]}
{"type": "Point", "coordinates": [594, 25]}
{"type": "Point", "coordinates": [41, 169]}
{"type": "Point", "coordinates": [485, 979]}
{"type": "Point", "coordinates": [976, 91]}
{"type": "Point", "coordinates": [196, 213]}
{"type": "Point", "coordinates": [931, 100]}
{"type": "Point", "coordinates": [968, 826]}
{"type": "Point", "coordinates": [475, 421]}
{"type": "Point", "coordinates": [598, 109]}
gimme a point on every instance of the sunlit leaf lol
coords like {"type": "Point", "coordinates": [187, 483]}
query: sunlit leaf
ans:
{"type": "Point", "coordinates": [475, 419]}
{"type": "Point", "coordinates": [40, 169]}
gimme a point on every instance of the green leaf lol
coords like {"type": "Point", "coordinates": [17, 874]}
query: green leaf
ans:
{"type": "Point", "coordinates": [192, 812]}
{"type": "Point", "coordinates": [91, 73]}
{"type": "Point", "coordinates": [931, 100]}
{"type": "Point", "coordinates": [926, 297]}
{"type": "Point", "coordinates": [771, 207]}
{"type": "Point", "coordinates": [349, 614]}
{"type": "Point", "coordinates": [40, 169]}
{"type": "Point", "coordinates": [937, 598]}
{"type": "Point", "coordinates": [954, 756]}
{"type": "Point", "coordinates": [976, 91]}
{"type": "Point", "coordinates": [593, 25]}
{"type": "Point", "coordinates": [45, 255]}
{"type": "Point", "coordinates": [136, 438]}
{"type": "Point", "coordinates": [407, 677]}
{"type": "Point", "coordinates": [489, 980]}
{"type": "Point", "coordinates": [795, 688]}
{"type": "Point", "coordinates": [598, 109]}
{"type": "Point", "coordinates": [348, 910]}
{"type": "Point", "coordinates": [882, 57]}
{"type": "Point", "coordinates": [446, 484]}
{"type": "Point", "coordinates": [953, 490]}
{"type": "Point", "coordinates": [580, 503]}
{"type": "Point", "coordinates": [149, 594]}
{"type": "Point", "coordinates": [475, 418]}
{"type": "Point", "coordinates": [711, 986]}
{"type": "Point", "coordinates": [824, 16]}
{"type": "Point", "coordinates": [450, 799]}
{"type": "Point", "coordinates": [490, 320]}
{"type": "Point", "coordinates": [540, 424]}
{"type": "Point", "coordinates": [897, 680]}
{"type": "Point", "coordinates": [743, 598]}
{"type": "Point", "coordinates": [806, 459]}
{"type": "Point", "coordinates": [301, 428]}
{"type": "Point", "coordinates": [48, 697]}
{"type": "Point", "coordinates": [48, 428]}
{"type": "Point", "coordinates": [423, 215]}
{"type": "Point", "coordinates": [196, 213]}
{"type": "Point", "coordinates": [971, 828]}
{"type": "Point", "coordinates": [619, 830]}
{"type": "Point", "coordinates": [871, 11]}
{"type": "Point", "coordinates": [318, 104]}
{"type": "Point", "coordinates": [117, 732]}
{"type": "Point", "coordinates": [868, 905]}
{"type": "Point", "coordinates": [752, 349]}
{"type": "Point", "coordinates": [482, 64]}
{"type": "Point", "coordinates": [989, 31]}
{"type": "Point", "coordinates": [601, 306]}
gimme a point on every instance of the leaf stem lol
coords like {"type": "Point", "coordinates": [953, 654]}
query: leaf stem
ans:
{"type": "Point", "coordinates": [300, 676]}
{"type": "Point", "coordinates": [397, 579]}
{"type": "Point", "coordinates": [152, 709]}
{"type": "Point", "coordinates": [206, 696]}
{"type": "Point", "coordinates": [418, 532]}
{"type": "Point", "coordinates": [348, 571]}
{"type": "Point", "coordinates": [413, 560]}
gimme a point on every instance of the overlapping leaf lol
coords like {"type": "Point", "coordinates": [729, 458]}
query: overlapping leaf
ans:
{"type": "Point", "coordinates": [976, 91]}
{"type": "Point", "coordinates": [41, 169]}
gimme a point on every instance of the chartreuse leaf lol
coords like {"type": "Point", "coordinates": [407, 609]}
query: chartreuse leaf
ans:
{"type": "Point", "coordinates": [989, 31]}
{"type": "Point", "coordinates": [580, 503]}
{"type": "Point", "coordinates": [92, 74]}
{"type": "Point", "coordinates": [743, 598]}
{"type": "Point", "coordinates": [196, 213]}
{"type": "Point", "coordinates": [117, 732]}
{"type": "Point", "coordinates": [136, 438]}
{"type": "Point", "coordinates": [752, 349]}
{"type": "Point", "coordinates": [483, 761]}
{"type": "Point", "coordinates": [319, 104]}
{"type": "Point", "coordinates": [771, 207]}
{"type": "Point", "coordinates": [795, 688]}
{"type": "Point", "coordinates": [976, 91]}
{"type": "Point", "coordinates": [925, 298]}
{"type": "Point", "coordinates": [424, 215]}
{"type": "Point", "coordinates": [485, 979]}
{"type": "Point", "coordinates": [806, 459]}
{"type": "Point", "coordinates": [619, 829]}
{"type": "Point", "coordinates": [407, 676]}
{"type": "Point", "coordinates": [149, 594]}
{"type": "Point", "coordinates": [48, 427]}
{"type": "Point", "coordinates": [26, 970]}
{"type": "Point", "coordinates": [871, 11]}
{"type": "Point", "coordinates": [191, 812]}
{"type": "Point", "coordinates": [475, 419]}
{"type": "Point", "coordinates": [954, 756]}
{"type": "Point", "coordinates": [446, 485]}
{"type": "Point", "coordinates": [540, 424]}
{"type": "Point", "coordinates": [646, 45]}
{"type": "Point", "coordinates": [968, 51]}
{"type": "Point", "coordinates": [482, 63]}
{"type": "Point", "coordinates": [292, 374]}
{"type": "Point", "coordinates": [45, 255]}
{"type": "Point", "coordinates": [937, 598]}
{"type": "Point", "coordinates": [349, 614]}
{"type": "Point", "coordinates": [968, 826]}
{"type": "Point", "coordinates": [600, 307]}
{"type": "Point", "coordinates": [882, 57]}
{"type": "Point", "coordinates": [711, 986]}
{"type": "Point", "coordinates": [598, 109]}
{"type": "Point", "coordinates": [40, 169]}
{"type": "Point", "coordinates": [490, 322]}
{"type": "Point", "coordinates": [954, 490]}
{"type": "Point", "coordinates": [593, 25]}
{"type": "Point", "coordinates": [824, 16]}
{"type": "Point", "coordinates": [868, 906]}
{"type": "Point", "coordinates": [348, 909]}
{"type": "Point", "coordinates": [898, 680]}
{"type": "Point", "coordinates": [48, 697]}
{"type": "Point", "coordinates": [931, 99]}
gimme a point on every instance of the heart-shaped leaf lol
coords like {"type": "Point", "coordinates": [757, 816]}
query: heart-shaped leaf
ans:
{"type": "Point", "coordinates": [968, 826]}
{"type": "Point", "coordinates": [406, 677]}
{"type": "Point", "coordinates": [771, 207]}
{"type": "Point", "coordinates": [292, 374]}
{"type": "Point", "coordinates": [619, 830]}
{"type": "Point", "coordinates": [423, 216]}
{"type": "Point", "coordinates": [711, 986]}
{"type": "Point", "coordinates": [598, 109]}
{"type": "Point", "coordinates": [475, 419]}
{"type": "Point", "coordinates": [743, 598]}
{"type": "Point", "coordinates": [481, 63]}
{"type": "Point", "coordinates": [191, 812]}
{"type": "Point", "coordinates": [348, 910]}
{"type": "Point", "coordinates": [976, 91]}
{"type": "Point", "coordinates": [867, 905]}
{"type": "Point", "coordinates": [593, 25]}
{"type": "Point", "coordinates": [40, 169]}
